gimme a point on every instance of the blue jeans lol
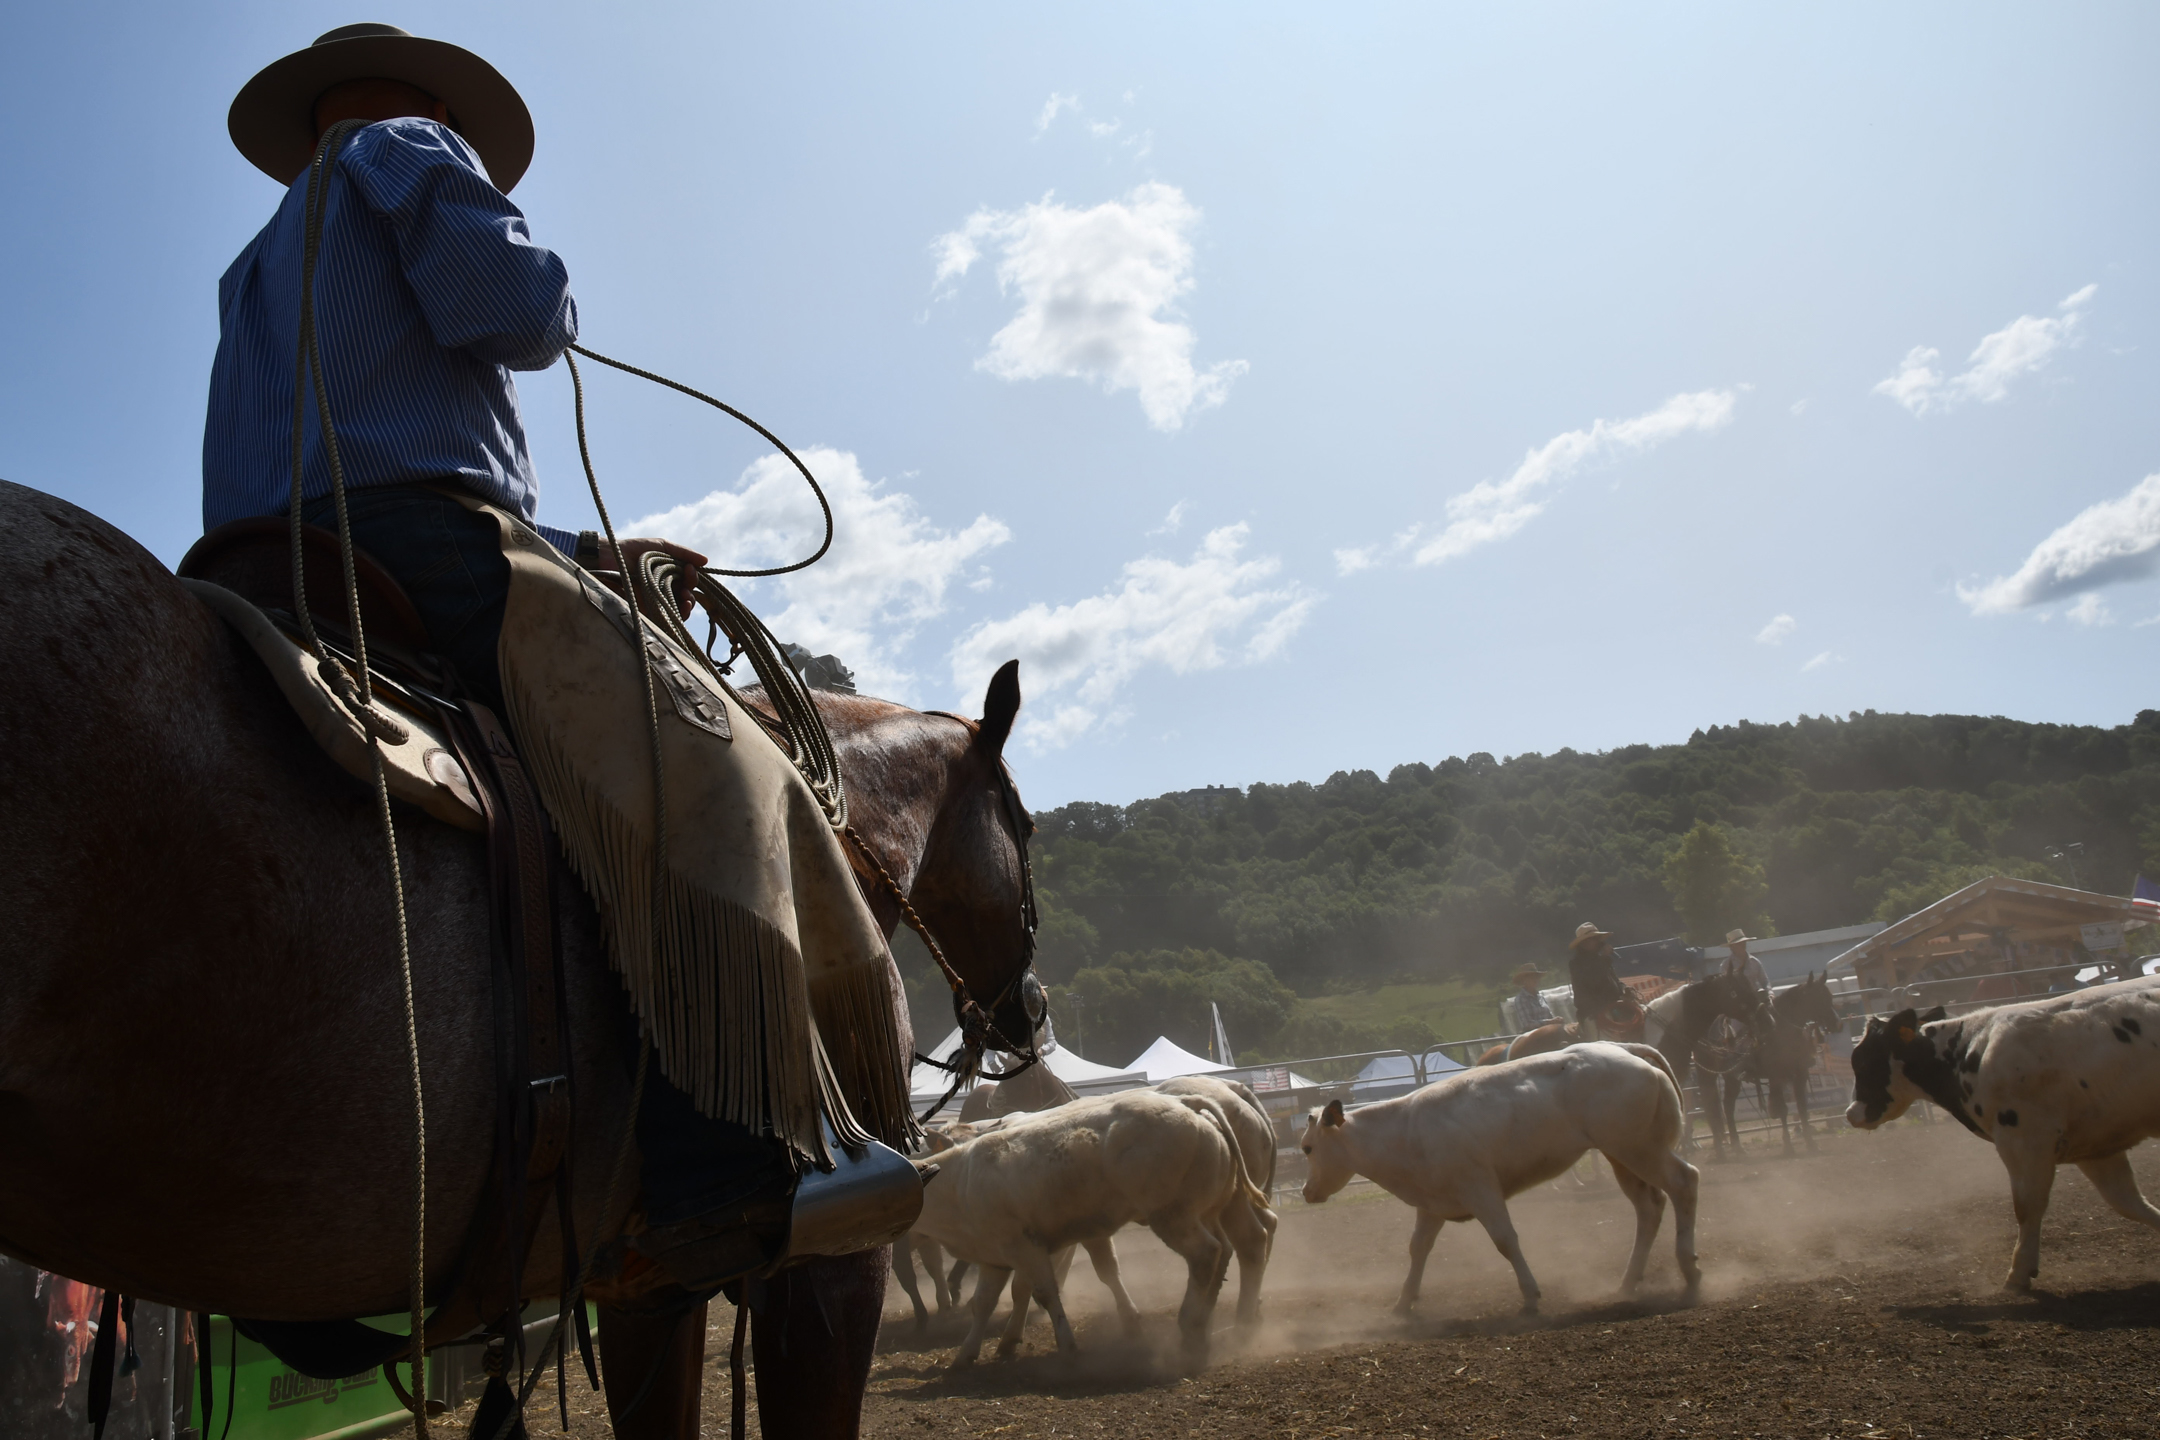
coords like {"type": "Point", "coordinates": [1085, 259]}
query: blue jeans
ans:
{"type": "Point", "coordinates": [449, 559]}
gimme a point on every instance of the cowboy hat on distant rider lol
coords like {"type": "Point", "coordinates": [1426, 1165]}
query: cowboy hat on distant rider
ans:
{"type": "Point", "coordinates": [1590, 971]}
{"type": "Point", "coordinates": [429, 293]}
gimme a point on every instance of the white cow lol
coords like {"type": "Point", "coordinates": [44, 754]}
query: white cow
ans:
{"type": "Point", "coordinates": [1011, 1199]}
{"type": "Point", "coordinates": [2070, 1079]}
{"type": "Point", "coordinates": [1251, 1227]}
{"type": "Point", "coordinates": [913, 1247]}
{"type": "Point", "coordinates": [1457, 1149]}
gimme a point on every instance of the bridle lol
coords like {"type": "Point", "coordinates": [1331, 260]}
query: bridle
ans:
{"type": "Point", "coordinates": [978, 1022]}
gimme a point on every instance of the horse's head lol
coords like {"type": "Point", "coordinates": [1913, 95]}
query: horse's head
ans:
{"type": "Point", "coordinates": [976, 889]}
{"type": "Point", "coordinates": [1809, 1003]}
{"type": "Point", "coordinates": [930, 796]}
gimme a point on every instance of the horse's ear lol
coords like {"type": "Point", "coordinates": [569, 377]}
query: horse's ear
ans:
{"type": "Point", "coordinates": [1333, 1114]}
{"type": "Point", "coordinates": [1001, 703]}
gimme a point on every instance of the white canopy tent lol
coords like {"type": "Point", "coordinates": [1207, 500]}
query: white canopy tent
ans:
{"type": "Point", "coordinates": [1088, 1077]}
{"type": "Point", "coordinates": [1166, 1060]}
{"type": "Point", "coordinates": [1386, 1076]}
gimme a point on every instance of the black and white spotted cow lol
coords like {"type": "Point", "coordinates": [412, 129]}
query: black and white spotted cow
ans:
{"type": "Point", "coordinates": [2067, 1080]}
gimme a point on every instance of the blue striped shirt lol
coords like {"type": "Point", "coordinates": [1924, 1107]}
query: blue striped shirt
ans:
{"type": "Point", "coordinates": [428, 293]}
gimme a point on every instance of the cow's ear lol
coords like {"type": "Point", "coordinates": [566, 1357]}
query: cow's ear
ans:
{"type": "Point", "coordinates": [1905, 1025]}
{"type": "Point", "coordinates": [1876, 1024]}
{"type": "Point", "coordinates": [1938, 1013]}
{"type": "Point", "coordinates": [1333, 1114]}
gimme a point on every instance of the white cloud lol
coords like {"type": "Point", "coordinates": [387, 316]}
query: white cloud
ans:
{"type": "Point", "coordinates": [887, 572]}
{"type": "Point", "coordinates": [1051, 108]}
{"type": "Point", "coordinates": [2023, 346]}
{"type": "Point", "coordinates": [1097, 288]}
{"type": "Point", "coordinates": [2105, 544]}
{"type": "Point", "coordinates": [1350, 560]}
{"type": "Point", "coordinates": [1825, 658]}
{"type": "Point", "coordinates": [1799, 407]}
{"type": "Point", "coordinates": [1173, 520]}
{"type": "Point", "coordinates": [1488, 512]}
{"type": "Point", "coordinates": [1076, 659]}
{"type": "Point", "coordinates": [2090, 609]}
{"type": "Point", "coordinates": [1777, 631]}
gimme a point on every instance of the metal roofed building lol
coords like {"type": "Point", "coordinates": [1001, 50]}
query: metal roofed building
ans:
{"type": "Point", "coordinates": [1794, 957]}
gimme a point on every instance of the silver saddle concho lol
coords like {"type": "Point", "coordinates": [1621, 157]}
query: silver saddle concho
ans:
{"type": "Point", "coordinates": [418, 759]}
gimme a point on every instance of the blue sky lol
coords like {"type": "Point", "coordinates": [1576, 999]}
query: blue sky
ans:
{"type": "Point", "coordinates": [1291, 390]}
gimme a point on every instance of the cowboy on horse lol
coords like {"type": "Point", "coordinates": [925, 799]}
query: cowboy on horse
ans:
{"type": "Point", "coordinates": [428, 293]}
{"type": "Point", "coordinates": [1597, 989]}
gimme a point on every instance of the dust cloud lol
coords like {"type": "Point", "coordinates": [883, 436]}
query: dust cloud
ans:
{"type": "Point", "coordinates": [1859, 1204]}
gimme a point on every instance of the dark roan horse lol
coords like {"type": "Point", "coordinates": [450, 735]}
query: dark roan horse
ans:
{"type": "Point", "coordinates": [203, 1082]}
{"type": "Point", "coordinates": [1680, 1018]}
{"type": "Point", "coordinates": [1781, 1056]}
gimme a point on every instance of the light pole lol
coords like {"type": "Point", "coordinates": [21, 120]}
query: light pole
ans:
{"type": "Point", "coordinates": [2068, 854]}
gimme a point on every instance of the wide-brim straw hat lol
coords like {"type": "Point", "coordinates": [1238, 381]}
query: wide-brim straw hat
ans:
{"type": "Point", "coordinates": [1521, 970]}
{"type": "Point", "coordinates": [272, 119]}
{"type": "Point", "coordinates": [1737, 937]}
{"type": "Point", "coordinates": [1587, 932]}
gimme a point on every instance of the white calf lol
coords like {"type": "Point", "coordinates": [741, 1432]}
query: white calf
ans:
{"type": "Point", "coordinates": [1011, 1199]}
{"type": "Point", "coordinates": [2070, 1079]}
{"type": "Point", "coordinates": [1251, 1227]}
{"type": "Point", "coordinates": [1457, 1149]}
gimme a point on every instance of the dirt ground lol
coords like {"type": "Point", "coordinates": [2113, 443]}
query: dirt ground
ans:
{"type": "Point", "coordinates": [1852, 1293]}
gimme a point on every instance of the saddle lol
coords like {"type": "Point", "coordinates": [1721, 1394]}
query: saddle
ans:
{"type": "Point", "coordinates": [243, 572]}
{"type": "Point", "coordinates": [452, 758]}
{"type": "Point", "coordinates": [1622, 1020]}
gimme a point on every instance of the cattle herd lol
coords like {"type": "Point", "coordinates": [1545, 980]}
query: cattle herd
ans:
{"type": "Point", "coordinates": [2068, 1079]}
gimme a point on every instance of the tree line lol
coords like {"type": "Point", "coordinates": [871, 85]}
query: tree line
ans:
{"type": "Point", "coordinates": [1467, 867]}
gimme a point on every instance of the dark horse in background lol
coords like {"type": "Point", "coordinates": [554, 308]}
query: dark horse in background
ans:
{"type": "Point", "coordinates": [203, 1074]}
{"type": "Point", "coordinates": [1781, 1055]}
{"type": "Point", "coordinates": [1676, 1023]}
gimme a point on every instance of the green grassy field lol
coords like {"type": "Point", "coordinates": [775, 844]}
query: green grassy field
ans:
{"type": "Point", "coordinates": [1454, 1009]}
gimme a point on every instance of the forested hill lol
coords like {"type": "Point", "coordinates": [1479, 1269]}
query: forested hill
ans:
{"type": "Point", "coordinates": [1467, 866]}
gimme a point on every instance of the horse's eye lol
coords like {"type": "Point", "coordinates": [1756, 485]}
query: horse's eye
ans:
{"type": "Point", "coordinates": [1306, 1148]}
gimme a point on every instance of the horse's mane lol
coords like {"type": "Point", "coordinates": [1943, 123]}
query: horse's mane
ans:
{"type": "Point", "coordinates": [1666, 1008]}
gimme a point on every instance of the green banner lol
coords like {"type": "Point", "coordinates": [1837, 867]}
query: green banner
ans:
{"type": "Point", "coordinates": [268, 1400]}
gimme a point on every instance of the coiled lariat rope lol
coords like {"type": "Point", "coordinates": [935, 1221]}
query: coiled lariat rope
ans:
{"type": "Point", "coordinates": [358, 694]}
{"type": "Point", "coordinates": [816, 489]}
{"type": "Point", "coordinates": [797, 722]}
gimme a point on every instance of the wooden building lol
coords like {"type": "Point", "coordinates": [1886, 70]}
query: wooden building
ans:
{"type": "Point", "coordinates": [1995, 940]}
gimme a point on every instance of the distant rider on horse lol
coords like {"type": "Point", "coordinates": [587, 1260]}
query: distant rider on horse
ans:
{"type": "Point", "coordinates": [1528, 1006]}
{"type": "Point", "coordinates": [1590, 971]}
